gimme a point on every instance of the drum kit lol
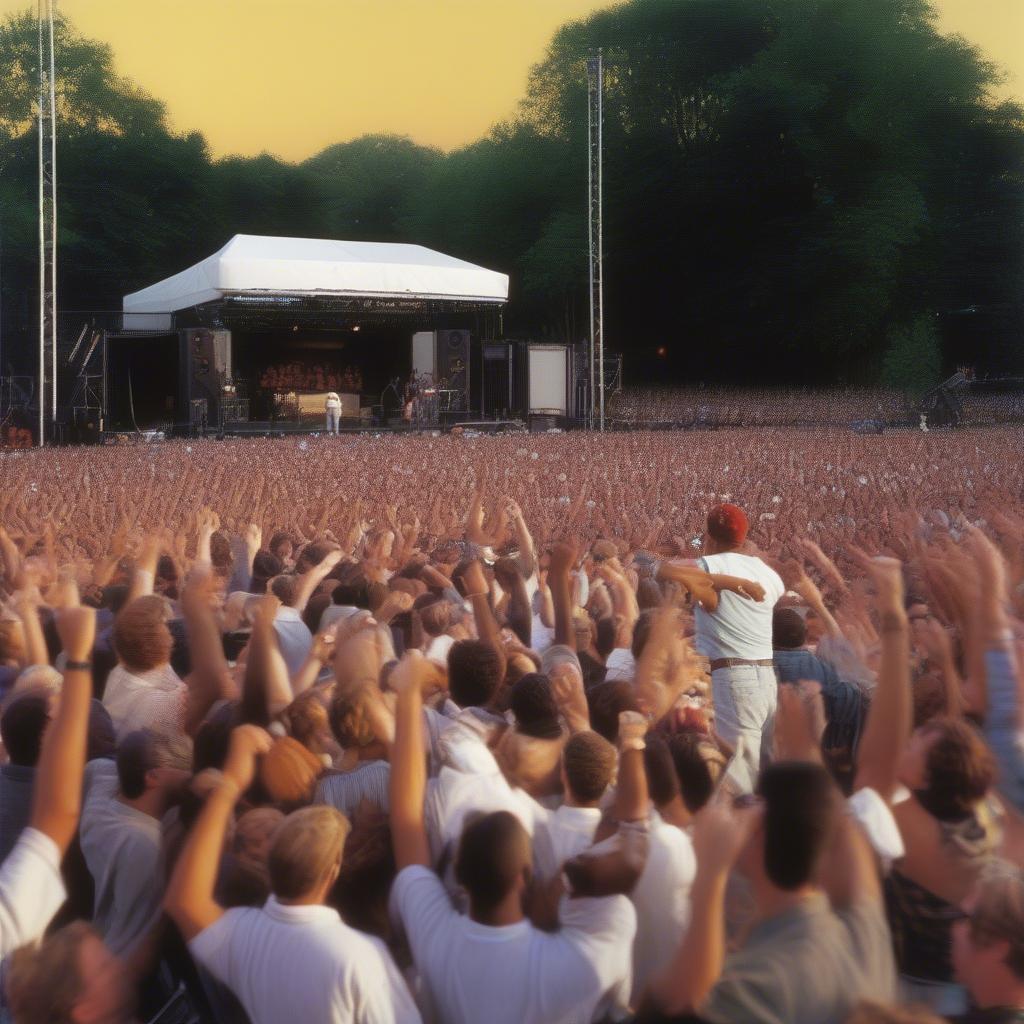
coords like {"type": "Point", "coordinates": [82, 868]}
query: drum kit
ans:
{"type": "Point", "coordinates": [426, 399]}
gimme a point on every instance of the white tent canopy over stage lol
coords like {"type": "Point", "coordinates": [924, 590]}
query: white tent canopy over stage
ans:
{"type": "Point", "coordinates": [262, 265]}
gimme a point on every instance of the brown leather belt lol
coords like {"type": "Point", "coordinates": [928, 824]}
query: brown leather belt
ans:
{"type": "Point", "coordinates": [736, 662]}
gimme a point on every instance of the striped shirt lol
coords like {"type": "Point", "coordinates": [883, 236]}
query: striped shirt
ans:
{"type": "Point", "coordinates": [346, 790]}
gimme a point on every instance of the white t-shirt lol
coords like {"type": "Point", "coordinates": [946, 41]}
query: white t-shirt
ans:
{"type": "Point", "coordinates": [620, 665]}
{"type": "Point", "coordinates": [541, 636]}
{"type": "Point", "coordinates": [31, 890]}
{"type": "Point", "coordinates": [469, 782]}
{"type": "Point", "coordinates": [560, 835]}
{"type": "Point", "coordinates": [515, 974]}
{"type": "Point", "coordinates": [155, 699]}
{"type": "Point", "coordinates": [303, 963]}
{"type": "Point", "coordinates": [739, 627]}
{"type": "Point", "coordinates": [438, 647]}
{"type": "Point", "coordinates": [662, 900]}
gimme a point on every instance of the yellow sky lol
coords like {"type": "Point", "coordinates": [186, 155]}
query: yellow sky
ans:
{"type": "Point", "coordinates": [292, 77]}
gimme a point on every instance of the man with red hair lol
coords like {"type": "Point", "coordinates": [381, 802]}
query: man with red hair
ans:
{"type": "Point", "coordinates": [735, 633]}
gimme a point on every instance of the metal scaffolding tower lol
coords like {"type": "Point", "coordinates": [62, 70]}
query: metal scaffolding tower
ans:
{"type": "Point", "coordinates": [47, 117]}
{"type": "Point", "coordinates": [595, 145]}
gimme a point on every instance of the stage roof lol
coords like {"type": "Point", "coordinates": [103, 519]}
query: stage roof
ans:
{"type": "Point", "coordinates": [264, 265]}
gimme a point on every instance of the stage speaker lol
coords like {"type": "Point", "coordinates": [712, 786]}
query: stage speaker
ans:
{"type": "Point", "coordinates": [210, 353]}
{"type": "Point", "coordinates": [497, 379]}
{"type": "Point", "coordinates": [208, 367]}
{"type": "Point", "coordinates": [85, 427]}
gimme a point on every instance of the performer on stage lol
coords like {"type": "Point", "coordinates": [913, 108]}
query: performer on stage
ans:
{"type": "Point", "coordinates": [333, 409]}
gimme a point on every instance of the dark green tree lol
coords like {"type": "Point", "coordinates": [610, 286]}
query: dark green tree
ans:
{"type": "Point", "coordinates": [365, 188]}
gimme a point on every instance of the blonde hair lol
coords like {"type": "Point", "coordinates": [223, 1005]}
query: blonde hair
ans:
{"type": "Point", "coordinates": [306, 847]}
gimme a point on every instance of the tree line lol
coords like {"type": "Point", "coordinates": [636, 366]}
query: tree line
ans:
{"type": "Point", "coordinates": [795, 190]}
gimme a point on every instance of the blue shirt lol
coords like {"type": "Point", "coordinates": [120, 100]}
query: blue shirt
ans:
{"type": "Point", "coordinates": [1001, 729]}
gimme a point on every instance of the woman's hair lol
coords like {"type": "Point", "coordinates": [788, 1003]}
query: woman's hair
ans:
{"type": "Point", "coordinates": [961, 769]}
{"type": "Point", "coordinates": [141, 637]}
{"type": "Point", "coordinates": [278, 540]}
{"type": "Point", "coordinates": [349, 720]}
{"type": "Point", "coordinates": [307, 720]}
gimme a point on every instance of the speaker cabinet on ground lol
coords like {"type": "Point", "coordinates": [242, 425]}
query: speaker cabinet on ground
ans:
{"type": "Point", "coordinates": [208, 362]}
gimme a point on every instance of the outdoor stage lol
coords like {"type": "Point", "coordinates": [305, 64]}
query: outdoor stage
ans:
{"type": "Point", "coordinates": [256, 335]}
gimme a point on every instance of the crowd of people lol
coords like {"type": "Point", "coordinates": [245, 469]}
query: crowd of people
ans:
{"type": "Point", "coordinates": [720, 727]}
{"type": "Point", "coordinates": [299, 376]}
{"type": "Point", "coordinates": [716, 407]}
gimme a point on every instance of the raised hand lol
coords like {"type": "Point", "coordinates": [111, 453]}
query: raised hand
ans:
{"type": "Point", "coordinates": [76, 627]}
{"type": "Point", "coordinates": [253, 537]}
{"type": "Point", "coordinates": [567, 689]}
{"type": "Point", "coordinates": [564, 556]}
{"type": "Point", "coordinates": [632, 730]}
{"type": "Point", "coordinates": [410, 674]}
{"type": "Point", "coordinates": [248, 742]}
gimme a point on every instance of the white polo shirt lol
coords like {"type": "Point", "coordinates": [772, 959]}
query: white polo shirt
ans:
{"type": "Point", "coordinates": [740, 627]}
{"type": "Point", "coordinates": [303, 964]}
{"type": "Point", "coordinates": [516, 974]}
{"type": "Point", "coordinates": [31, 890]}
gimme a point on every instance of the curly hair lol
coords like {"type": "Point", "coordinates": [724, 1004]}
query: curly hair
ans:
{"type": "Point", "coordinates": [961, 769]}
{"type": "Point", "coordinates": [141, 637]}
{"type": "Point", "coordinates": [308, 720]}
{"type": "Point", "coordinates": [349, 720]}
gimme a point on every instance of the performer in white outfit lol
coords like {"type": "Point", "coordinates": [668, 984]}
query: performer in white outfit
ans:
{"type": "Point", "coordinates": [333, 409]}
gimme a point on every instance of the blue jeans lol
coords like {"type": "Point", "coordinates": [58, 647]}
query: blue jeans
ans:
{"type": "Point", "coordinates": [745, 698]}
{"type": "Point", "coordinates": [332, 421]}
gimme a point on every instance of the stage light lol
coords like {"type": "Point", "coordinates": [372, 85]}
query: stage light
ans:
{"type": "Point", "coordinates": [662, 351]}
{"type": "Point", "coordinates": [356, 327]}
